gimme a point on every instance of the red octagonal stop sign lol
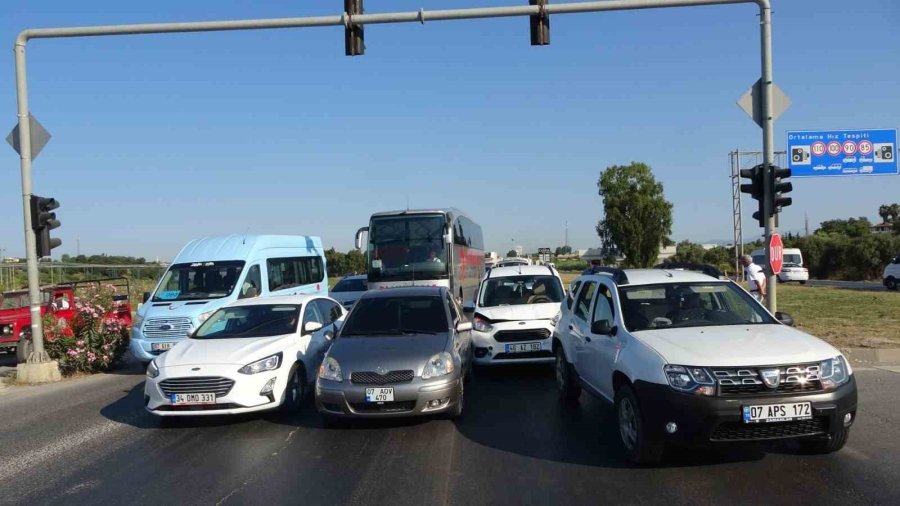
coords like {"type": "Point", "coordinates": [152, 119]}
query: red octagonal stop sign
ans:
{"type": "Point", "coordinates": [776, 252]}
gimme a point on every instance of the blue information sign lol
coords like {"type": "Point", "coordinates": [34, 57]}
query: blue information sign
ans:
{"type": "Point", "coordinates": [842, 153]}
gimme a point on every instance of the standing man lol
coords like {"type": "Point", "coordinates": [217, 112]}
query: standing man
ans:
{"type": "Point", "coordinates": [756, 279]}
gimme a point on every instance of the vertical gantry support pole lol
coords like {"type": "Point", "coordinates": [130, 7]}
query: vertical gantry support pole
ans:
{"type": "Point", "coordinates": [765, 26]}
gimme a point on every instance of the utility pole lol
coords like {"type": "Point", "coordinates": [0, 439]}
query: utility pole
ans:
{"type": "Point", "coordinates": [567, 234]}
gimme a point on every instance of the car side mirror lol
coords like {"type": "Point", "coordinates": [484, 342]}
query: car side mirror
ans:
{"type": "Point", "coordinates": [146, 297]}
{"type": "Point", "coordinates": [785, 318]}
{"type": "Point", "coordinates": [310, 327]}
{"type": "Point", "coordinates": [464, 326]}
{"type": "Point", "coordinates": [603, 328]}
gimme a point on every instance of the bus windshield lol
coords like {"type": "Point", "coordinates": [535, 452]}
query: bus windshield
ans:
{"type": "Point", "coordinates": [404, 248]}
{"type": "Point", "coordinates": [200, 280]}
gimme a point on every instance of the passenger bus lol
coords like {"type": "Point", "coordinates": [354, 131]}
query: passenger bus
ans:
{"type": "Point", "coordinates": [424, 247]}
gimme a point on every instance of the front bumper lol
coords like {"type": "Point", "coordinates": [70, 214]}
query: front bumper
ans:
{"type": "Point", "coordinates": [717, 419]}
{"type": "Point", "coordinates": [142, 348]}
{"type": "Point", "coordinates": [348, 400]}
{"type": "Point", "coordinates": [490, 351]}
{"type": "Point", "coordinates": [243, 397]}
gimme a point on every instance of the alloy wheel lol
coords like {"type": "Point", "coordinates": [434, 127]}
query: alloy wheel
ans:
{"type": "Point", "coordinates": [627, 423]}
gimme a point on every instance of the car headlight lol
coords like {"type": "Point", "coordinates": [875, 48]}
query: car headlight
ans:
{"type": "Point", "coordinates": [438, 365]}
{"type": "Point", "coordinates": [152, 369]}
{"type": "Point", "coordinates": [834, 372]}
{"type": "Point", "coordinates": [555, 320]}
{"type": "Point", "coordinates": [203, 316]}
{"type": "Point", "coordinates": [481, 324]}
{"type": "Point", "coordinates": [695, 380]}
{"type": "Point", "coordinates": [269, 363]}
{"type": "Point", "coordinates": [137, 321]}
{"type": "Point", "coordinates": [330, 370]}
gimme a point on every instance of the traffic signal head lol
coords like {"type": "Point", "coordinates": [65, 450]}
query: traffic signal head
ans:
{"type": "Point", "coordinates": [779, 188]}
{"type": "Point", "coordinates": [43, 220]}
{"type": "Point", "coordinates": [539, 24]}
{"type": "Point", "coordinates": [354, 39]}
{"type": "Point", "coordinates": [755, 189]}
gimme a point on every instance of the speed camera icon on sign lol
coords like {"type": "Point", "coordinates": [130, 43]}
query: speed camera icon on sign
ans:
{"type": "Point", "coordinates": [884, 152]}
{"type": "Point", "coordinates": [800, 155]}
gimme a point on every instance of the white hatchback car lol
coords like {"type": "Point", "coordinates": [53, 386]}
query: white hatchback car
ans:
{"type": "Point", "coordinates": [251, 355]}
{"type": "Point", "coordinates": [514, 315]}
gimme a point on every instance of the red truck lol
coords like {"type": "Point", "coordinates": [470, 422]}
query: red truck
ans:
{"type": "Point", "coordinates": [15, 317]}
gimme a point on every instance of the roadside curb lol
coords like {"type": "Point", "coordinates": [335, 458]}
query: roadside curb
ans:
{"type": "Point", "coordinates": [872, 356]}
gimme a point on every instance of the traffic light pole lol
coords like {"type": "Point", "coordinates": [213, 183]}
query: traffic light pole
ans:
{"type": "Point", "coordinates": [768, 126]}
{"type": "Point", "coordinates": [346, 20]}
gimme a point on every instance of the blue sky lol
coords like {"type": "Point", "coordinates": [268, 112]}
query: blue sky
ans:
{"type": "Point", "coordinates": [158, 139]}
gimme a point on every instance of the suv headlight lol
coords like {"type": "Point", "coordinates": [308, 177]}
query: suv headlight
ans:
{"type": "Point", "coordinates": [695, 380]}
{"type": "Point", "coordinates": [481, 324]}
{"type": "Point", "coordinates": [203, 316]}
{"type": "Point", "coordinates": [330, 370]}
{"type": "Point", "coordinates": [152, 369]}
{"type": "Point", "coordinates": [137, 321]}
{"type": "Point", "coordinates": [835, 372]}
{"type": "Point", "coordinates": [269, 363]}
{"type": "Point", "coordinates": [438, 365]}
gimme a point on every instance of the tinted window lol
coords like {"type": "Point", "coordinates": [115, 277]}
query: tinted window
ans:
{"type": "Point", "coordinates": [583, 302]}
{"type": "Point", "coordinates": [329, 310]}
{"type": "Point", "coordinates": [350, 285]}
{"type": "Point", "coordinates": [250, 321]}
{"type": "Point", "coordinates": [291, 272]}
{"type": "Point", "coordinates": [252, 285]}
{"type": "Point", "coordinates": [313, 314]}
{"type": "Point", "coordinates": [405, 248]}
{"type": "Point", "coordinates": [515, 290]}
{"type": "Point", "coordinates": [454, 314]}
{"type": "Point", "coordinates": [396, 315]}
{"type": "Point", "coordinates": [572, 291]}
{"type": "Point", "coordinates": [471, 234]}
{"type": "Point", "coordinates": [603, 307]}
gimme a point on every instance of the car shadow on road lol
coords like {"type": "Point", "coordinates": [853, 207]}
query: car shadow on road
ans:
{"type": "Point", "coordinates": [516, 409]}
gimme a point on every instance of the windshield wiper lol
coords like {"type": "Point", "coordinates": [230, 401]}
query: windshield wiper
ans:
{"type": "Point", "coordinates": [371, 333]}
{"type": "Point", "coordinates": [417, 331]}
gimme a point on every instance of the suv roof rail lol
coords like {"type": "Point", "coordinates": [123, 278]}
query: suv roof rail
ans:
{"type": "Point", "coordinates": [617, 274]}
{"type": "Point", "coordinates": [707, 269]}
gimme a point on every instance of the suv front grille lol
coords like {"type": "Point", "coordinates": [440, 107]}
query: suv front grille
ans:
{"type": "Point", "coordinates": [739, 431]}
{"type": "Point", "coordinates": [374, 378]}
{"type": "Point", "coordinates": [197, 385]}
{"type": "Point", "coordinates": [745, 381]}
{"type": "Point", "coordinates": [511, 336]}
{"type": "Point", "coordinates": [167, 328]}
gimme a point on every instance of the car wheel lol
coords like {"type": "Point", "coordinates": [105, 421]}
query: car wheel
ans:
{"type": "Point", "coordinates": [638, 446]}
{"type": "Point", "coordinates": [803, 282]}
{"type": "Point", "coordinates": [891, 283]}
{"type": "Point", "coordinates": [295, 390]}
{"type": "Point", "coordinates": [457, 410]}
{"type": "Point", "coordinates": [834, 442]}
{"type": "Point", "coordinates": [567, 386]}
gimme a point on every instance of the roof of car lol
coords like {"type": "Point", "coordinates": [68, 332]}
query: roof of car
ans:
{"type": "Point", "coordinates": [523, 270]}
{"type": "Point", "coordinates": [281, 299]}
{"type": "Point", "coordinates": [658, 276]}
{"type": "Point", "coordinates": [407, 291]}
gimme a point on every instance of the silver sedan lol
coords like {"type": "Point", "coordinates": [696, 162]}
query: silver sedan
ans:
{"type": "Point", "coordinates": [401, 352]}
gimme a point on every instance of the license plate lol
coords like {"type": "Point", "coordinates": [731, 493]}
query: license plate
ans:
{"type": "Point", "coordinates": [193, 399]}
{"type": "Point", "coordinates": [161, 346]}
{"type": "Point", "coordinates": [379, 395]}
{"type": "Point", "coordinates": [523, 347]}
{"type": "Point", "coordinates": [769, 413]}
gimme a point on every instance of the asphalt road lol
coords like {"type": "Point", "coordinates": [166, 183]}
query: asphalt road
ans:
{"type": "Point", "coordinates": [89, 441]}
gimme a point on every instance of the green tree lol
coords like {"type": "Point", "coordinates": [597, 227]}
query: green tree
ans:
{"type": "Point", "coordinates": [335, 262]}
{"type": "Point", "coordinates": [563, 250]}
{"type": "Point", "coordinates": [689, 252]}
{"type": "Point", "coordinates": [851, 227]}
{"type": "Point", "coordinates": [356, 261]}
{"type": "Point", "coordinates": [637, 219]}
{"type": "Point", "coordinates": [511, 253]}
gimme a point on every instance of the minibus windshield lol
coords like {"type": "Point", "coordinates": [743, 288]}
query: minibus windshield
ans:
{"type": "Point", "coordinates": [199, 280]}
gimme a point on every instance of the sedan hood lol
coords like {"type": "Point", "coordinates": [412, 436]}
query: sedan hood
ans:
{"type": "Point", "coordinates": [745, 345]}
{"type": "Point", "coordinates": [239, 352]}
{"type": "Point", "coordinates": [391, 353]}
{"type": "Point", "coordinates": [520, 312]}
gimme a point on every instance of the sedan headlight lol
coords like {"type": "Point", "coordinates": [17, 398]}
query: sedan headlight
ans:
{"type": "Point", "coordinates": [695, 380]}
{"type": "Point", "coordinates": [835, 372]}
{"type": "Point", "coordinates": [330, 370]}
{"type": "Point", "coordinates": [269, 363]}
{"type": "Point", "coordinates": [438, 365]}
{"type": "Point", "coordinates": [481, 324]}
{"type": "Point", "coordinates": [203, 316]}
{"type": "Point", "coordinates": [152, 369]}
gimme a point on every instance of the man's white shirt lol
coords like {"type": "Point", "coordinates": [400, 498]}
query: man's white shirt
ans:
{"type": "Point", "coordinates": [754, 276]}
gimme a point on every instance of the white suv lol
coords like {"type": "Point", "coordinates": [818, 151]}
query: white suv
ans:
{"type": "Point", "coordinates": [891, 275]}
{"type": "Point", "coordinates": [692, 359]}
{"type": "Point", "coordinates": [514, 315]}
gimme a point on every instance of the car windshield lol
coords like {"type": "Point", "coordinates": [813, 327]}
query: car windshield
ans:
{"type": "Point", "coordinates": [256, 320]}
{"type": "Point", "coordinates": [515, 290]}
{"type": "Point", "coordinates": [378, 316]}
{"type": "Point", "coordinates": [350, 285]}
{"type": "Point", "coordinates": [679, 305]}
{"type": "Point", "coordinates": [20, 299]}
{"type": "Point", "coordinates": [199, 280]}
{"type": "Point", "coordinates": [792, 260]}
{"type": "Point", "coordinates": [403, 248]}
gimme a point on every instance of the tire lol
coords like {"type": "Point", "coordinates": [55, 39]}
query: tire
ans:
{"type": "Point", "coordinates": [23, 349]}
{"type": "Point", "coordinates": [295, 390]}
{"type": "Point", "coordinates": [803, 282]}
{"type": "Point", "coordinates": [834, 442]}
{"type": "Point", "coordinates": [567, 386]}
{"type": "Point", "coordinates": [457, 411]}
{"type": "Point", "coordinates": [891, 283]}
{"type": "Point", "coordinates": [639, 447]}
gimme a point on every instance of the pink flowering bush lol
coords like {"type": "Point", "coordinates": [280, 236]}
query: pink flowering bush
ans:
{"type": "Point", "coordinates": [93, 339]}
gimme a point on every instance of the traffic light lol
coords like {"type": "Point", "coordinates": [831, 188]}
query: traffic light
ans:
{"type": "Point", "coordinates": [540, 25]}
{"type": "Point", "coordinates": [354, 41]}
{"type": "Point", "coordinates": [755, 189]}
{"type": "Point", "coordinates": [779, 188]}
{"type": "Point", "coordinates": [42, 222]}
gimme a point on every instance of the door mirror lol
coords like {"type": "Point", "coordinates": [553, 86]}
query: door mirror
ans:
{"type": "Point", "coordinates": [463, 326]}
{"type": "Point", "coordinates": [146, 297]}
{"type": "Point", "coordinates": [469, 307]}
{"type": "Point", "coordinates": [603, 328]}
{"type": "Point", "coordinates": [785, 318]}
{"type": "Point", "coordinates": [310, 327]}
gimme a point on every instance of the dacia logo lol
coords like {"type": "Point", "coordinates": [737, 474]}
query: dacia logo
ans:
{"type": "Point", "coordinates": [770, 377]}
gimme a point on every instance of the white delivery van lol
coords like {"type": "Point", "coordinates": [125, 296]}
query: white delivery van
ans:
{"type": "Point", "coordinates": [792, 269]}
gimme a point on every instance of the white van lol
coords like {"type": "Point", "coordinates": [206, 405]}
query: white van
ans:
{"type": "Point", "coordinates": [792, 269]}
{"type": "Point", "coordinates": [210, 272]}
{"type": "Point", "coordinates": [891, 275]}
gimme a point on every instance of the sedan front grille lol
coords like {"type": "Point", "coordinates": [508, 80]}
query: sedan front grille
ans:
{"type": "Point", "coordinates": [512, 336]}
{"type": "Point", "coordinates": [745, 381]}
{"type": "Point", "coordinates": [197, 385]}
{"type": "Point", "coordinates": [738, 431]}
{"type": "Point", "coordinates": [374, 378]}
{"type": "Point", "coordinates": [167, 328]}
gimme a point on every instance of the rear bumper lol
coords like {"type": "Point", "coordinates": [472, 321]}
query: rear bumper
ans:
{"type": "Point", "coordinates": [718, 420]}
{"type": "Point", "coordinates": [348, 400]}
{"type": "Point", "coordinates": [793, 276]}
